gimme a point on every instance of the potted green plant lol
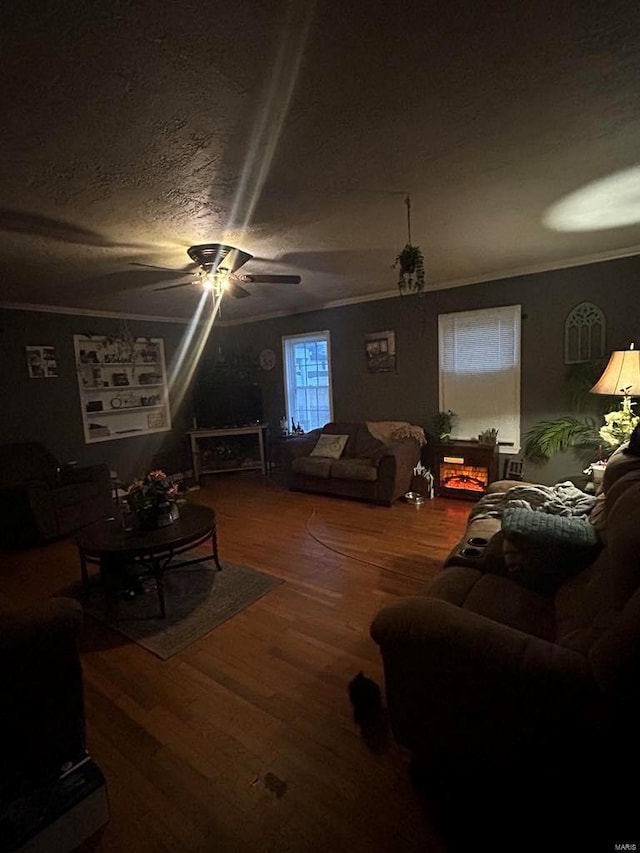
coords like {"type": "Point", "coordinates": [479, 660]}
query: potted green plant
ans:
{"type": "Point", "coordinates": [443, 424]}
{"type": "Point", "coordinates": [410, 265]}
{"type": "Point", "coordinates": [410, 262]}
{"type": "Point", "coordinates": [582, 432]}
{"type": "Point", "coordinates": [547, 438]}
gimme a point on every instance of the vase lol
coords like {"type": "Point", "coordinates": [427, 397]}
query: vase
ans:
{"type": "Point", "coordinates": [155, 517]}
{"type": "Point", "coordinates": [166, 514]}
{"type": "Point", "coordinates": [147, 518]}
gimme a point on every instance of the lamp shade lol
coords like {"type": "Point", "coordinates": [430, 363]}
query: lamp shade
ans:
{"type": "Point", "coordinates": [621, 376]}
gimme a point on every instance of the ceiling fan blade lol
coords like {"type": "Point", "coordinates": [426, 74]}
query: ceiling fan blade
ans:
{"type": "Point", "coordinates": [172, 286]}
{"type": "Point", "coordinates": [154, 267]}
{"type": "Point", "coordinates": [235, 290]}
{"type": "Point", "coordinates": [258, 278]}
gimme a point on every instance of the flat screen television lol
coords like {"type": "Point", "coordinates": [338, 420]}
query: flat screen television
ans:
{"type": "Point", "coordinates": [222, 404]}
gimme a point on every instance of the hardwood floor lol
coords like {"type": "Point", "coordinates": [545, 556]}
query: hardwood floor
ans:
{"type": "Point", "coordinates": [245, 740]}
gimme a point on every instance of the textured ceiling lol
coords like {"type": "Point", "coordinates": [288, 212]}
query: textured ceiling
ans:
{"type": "Point", "coordinates": [131, 129]}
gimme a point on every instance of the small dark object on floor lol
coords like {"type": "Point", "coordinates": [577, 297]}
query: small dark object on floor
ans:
{"type": "Point", "coordinates": [365, 697]}
{"type": "Point", "coordinates": [368, 712]}
{"type": "Point", "coordinates": [275, 785]}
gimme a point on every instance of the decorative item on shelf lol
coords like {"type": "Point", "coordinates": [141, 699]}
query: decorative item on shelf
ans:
{"type": "Point", "coordinates": [443, 424]}
{"type": "Point", "coordinates": [410, 262]}
{"type": "Point", "coordinates": [296, 428]}
{"type": "Point", "coordinates": [488, 436]}
{"type": "Point", "coordinates": [149, 379]}
{"type": "Point", "coordinates": [152, 500]}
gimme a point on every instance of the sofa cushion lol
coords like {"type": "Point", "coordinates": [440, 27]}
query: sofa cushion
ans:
{"type": "Point", "coordinates": [330, 446]}
{"type": "Point", "coordinates": [541, 550]}
{"type": "Point", "coordinates": [343, 428]}
{"type": "Point", "coordinates": [497, 598]}
{"type": "Point", "coordinates": [367, 446]}
{"type": "Point", "coordinates": [312, 466]}
{"type": "Point", "coordinates": [354, 469]}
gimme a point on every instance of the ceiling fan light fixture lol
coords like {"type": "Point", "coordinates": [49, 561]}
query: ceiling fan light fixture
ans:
{"type": "Point", "coordinates": [209, 256]}
{"type": "Point", "coordinates": [224, 279]}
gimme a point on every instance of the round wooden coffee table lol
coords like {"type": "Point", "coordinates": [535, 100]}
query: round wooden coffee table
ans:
{"type": "Point", "coordinates": [149, 552]}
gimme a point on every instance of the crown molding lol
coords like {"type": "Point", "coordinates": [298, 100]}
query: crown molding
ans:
{"type": "Point", "coordinates": [85, 312]}
{"type": "Point", "coordinates": [514, 272]}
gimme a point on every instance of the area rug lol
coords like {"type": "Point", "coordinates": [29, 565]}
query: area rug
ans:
{"type": "Point", "coordinates": [198, 599]}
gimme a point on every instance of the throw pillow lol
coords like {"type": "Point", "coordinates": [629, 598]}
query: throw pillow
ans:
{"type": "Point", "coordinates": [330, 446]}
{"type": "Point", "coordinates": [541, 550]}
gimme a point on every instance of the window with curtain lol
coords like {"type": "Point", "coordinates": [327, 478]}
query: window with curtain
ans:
{"type": "Point", "coordinates": [307, 379]}
{"type": "Point", "coordinates": [479, 365]}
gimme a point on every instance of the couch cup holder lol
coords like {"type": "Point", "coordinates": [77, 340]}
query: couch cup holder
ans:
{"type": "Point", "coordinates": [471, 552]}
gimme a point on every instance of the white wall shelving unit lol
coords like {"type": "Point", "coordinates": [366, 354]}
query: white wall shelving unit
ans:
{"type": "Point", "coordinates": [123, 386]}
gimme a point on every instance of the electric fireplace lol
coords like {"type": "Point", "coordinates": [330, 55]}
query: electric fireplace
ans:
{"type": "Point", "coordinates": [463, 469]}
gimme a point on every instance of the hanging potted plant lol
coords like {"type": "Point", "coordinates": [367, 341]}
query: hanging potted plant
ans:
{"type": "Point", "coordinates": [410, 263]}
{"type": "Point", "coordinates": [410, 266]}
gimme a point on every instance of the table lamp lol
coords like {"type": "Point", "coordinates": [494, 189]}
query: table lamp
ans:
{"type": "Point", "coordinates": [621, 378]}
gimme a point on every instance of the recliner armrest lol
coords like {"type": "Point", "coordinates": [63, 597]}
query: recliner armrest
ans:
{"type": "Point", "coordinates": [433, 628]}
{"type": "Point", "coordinates": [395, 468]}
{"type": "Point", "coordinates": [37, 624]}
{"type": "Point", "coordinates": [455, 679]}
{"type": "Point", "coordinates": [404, 451]}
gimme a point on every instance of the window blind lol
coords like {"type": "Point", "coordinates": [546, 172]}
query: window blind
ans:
{"type": "Point", "coordinates": [479, 371]}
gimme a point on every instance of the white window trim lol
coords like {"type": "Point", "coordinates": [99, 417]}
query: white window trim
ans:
{"type": "Point", "coordinates": [461, 428]}
{"type": "Point", "coordinates": [301, 338]}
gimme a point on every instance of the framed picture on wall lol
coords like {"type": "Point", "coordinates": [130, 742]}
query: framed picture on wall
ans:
{"type": "Point", "coordinates": [41, 362]}
{"type": "Point", "coordinates": [380, 351]}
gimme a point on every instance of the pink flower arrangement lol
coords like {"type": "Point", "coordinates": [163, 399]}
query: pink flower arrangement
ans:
{"type": "Point", "coordinates": [151, 491]}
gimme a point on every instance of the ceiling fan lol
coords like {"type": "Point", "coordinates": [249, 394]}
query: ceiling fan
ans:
{"type": "Point", "coordinates": [217, 266]}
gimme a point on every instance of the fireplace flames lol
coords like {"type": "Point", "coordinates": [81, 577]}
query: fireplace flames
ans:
{"type": "Point", "coordinates": [467, 478]}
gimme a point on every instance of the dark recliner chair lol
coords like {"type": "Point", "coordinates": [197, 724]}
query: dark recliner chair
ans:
{"type": "Point", "coordinates": [41, 695]}
{"type": "Point", "coordinates": [40, 500]}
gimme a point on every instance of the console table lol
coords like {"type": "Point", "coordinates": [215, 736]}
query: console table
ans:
{"type": "Point", "coordinates": [198, 437]}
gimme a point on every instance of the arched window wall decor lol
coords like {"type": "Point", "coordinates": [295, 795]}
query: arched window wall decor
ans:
{"type": "Point", "coordinates": [584, 334]}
